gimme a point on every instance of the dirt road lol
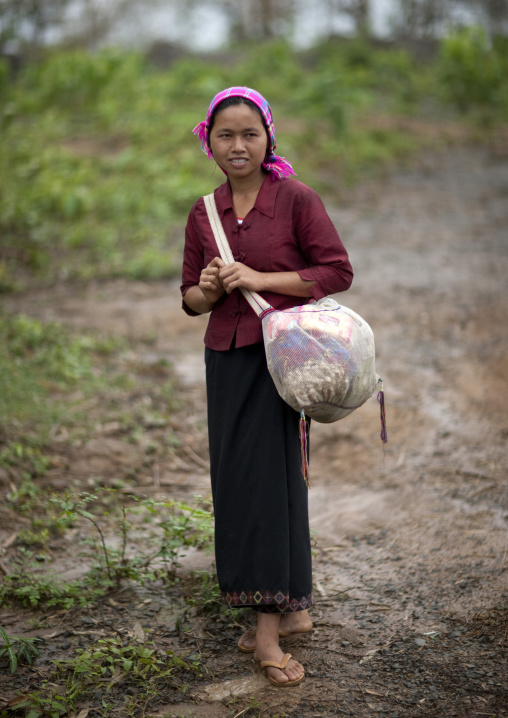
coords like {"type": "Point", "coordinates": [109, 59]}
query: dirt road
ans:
{"type": "Point", "coordinates": [411, 554]}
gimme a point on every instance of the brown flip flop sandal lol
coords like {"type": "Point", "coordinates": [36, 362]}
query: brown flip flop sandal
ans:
{"type": "Point", "coordinates": [285, 634]}
{"type": "Point", "coordinates": [280, 666]}
{"type": "Point", "coordinates": [251, 634]}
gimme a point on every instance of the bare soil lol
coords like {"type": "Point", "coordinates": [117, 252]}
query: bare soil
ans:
{"type": "Point", "coordinates": [411, 551]}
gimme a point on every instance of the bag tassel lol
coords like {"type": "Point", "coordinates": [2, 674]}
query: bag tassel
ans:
{"type": "Point", "coordinates": [382, 411]}
{"type": "Point", "coordinates": [304, 447]}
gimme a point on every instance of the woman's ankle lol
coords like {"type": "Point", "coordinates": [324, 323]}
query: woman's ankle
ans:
{"type": "Point", "coordinates": [267, 629]}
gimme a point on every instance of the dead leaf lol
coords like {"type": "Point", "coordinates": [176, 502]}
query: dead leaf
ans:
{"type": "Point", "coordinates": [369, 655]}
{"type": "Point", "coordinates": [10, 540]}
{"type": "Point", "coordinates": [83, 713]}
{"type": "Point", "coordinates": [118, 676]}
{"type": "Point", "coordinates": [379, 606]}
{"type": "Point", "coordinates": [332, 548]}
{"type": "Point", "coordinates": [320, 589]}
{"type": "Point", "coordinates": [144, 603]}
{"type": "Point", "coordinates": [196, 458]}
{"type": "Point", "coordinates": [138, 632]}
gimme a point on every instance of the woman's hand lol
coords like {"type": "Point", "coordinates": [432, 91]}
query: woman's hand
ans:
{"type": "Point", "coordinates": [210, 282]}
{"type": "Point", "coordinates": [235, 275]}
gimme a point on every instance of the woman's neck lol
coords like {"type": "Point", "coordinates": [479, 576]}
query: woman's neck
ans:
{"type": "Point", "coordinates": [248, 185]}
{"type": "Point", "coordinates": [245, 193]}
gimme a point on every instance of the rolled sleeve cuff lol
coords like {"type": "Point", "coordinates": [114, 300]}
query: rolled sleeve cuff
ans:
{"type": "Point", "coordinates": [189, 311]}
{"type": "Point", "coordinates": [185, 308]}
{"type": "Point", "coordinates": [327, 280]}
{"type": "Point", "coordinates": [309, 276]}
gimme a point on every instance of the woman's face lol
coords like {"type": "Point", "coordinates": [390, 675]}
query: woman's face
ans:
{"type": "Point", "coordinates": [239, 141]}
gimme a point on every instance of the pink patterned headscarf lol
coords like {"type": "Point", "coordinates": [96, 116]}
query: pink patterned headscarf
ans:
{"type": "Point", "coordinates": [279, 167]}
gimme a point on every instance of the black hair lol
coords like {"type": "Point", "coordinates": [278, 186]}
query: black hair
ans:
{"type": "Point", "coordinates": [233, 102]}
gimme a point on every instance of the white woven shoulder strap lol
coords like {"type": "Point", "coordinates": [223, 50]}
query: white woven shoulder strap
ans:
{"type": "Point", "coordinates": [255, 300]}
{"type": "Point", "coordinates": [218, 230]}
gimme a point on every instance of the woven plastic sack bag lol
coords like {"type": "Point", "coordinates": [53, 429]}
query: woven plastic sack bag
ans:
{"type": "Point", "coordinates": [321, 357]}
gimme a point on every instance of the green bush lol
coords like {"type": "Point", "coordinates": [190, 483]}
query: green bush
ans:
{"type": "Point", "coordinates": [75, 79]}
{"type": "Point", "coordinates": [474, 71]}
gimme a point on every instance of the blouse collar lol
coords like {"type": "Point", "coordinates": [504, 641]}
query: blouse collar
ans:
{"type": "Point", "coordinates": [265, 201]}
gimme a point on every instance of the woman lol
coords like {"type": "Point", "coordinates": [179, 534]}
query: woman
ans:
{"type": "Point", "coordinates": [285, 247]}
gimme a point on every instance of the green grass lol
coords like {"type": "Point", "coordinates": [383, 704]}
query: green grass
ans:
{"type": "Point", "coordinates": [41, 366]}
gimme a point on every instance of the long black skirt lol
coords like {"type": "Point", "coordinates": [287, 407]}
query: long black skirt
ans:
{"type": "Point", "coordinates": [262, 540]}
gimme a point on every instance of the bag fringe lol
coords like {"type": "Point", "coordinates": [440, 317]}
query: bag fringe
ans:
{"type": "Point", "coordinates": [382, 412]}
{"type": "Point", "coordinates": [304, 447]}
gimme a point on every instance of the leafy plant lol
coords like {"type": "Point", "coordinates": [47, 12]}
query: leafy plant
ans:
{"type": "Point", "coordinates": [75, 506]}
{"type": "Point", "coordinates": [105, 663]}
{"type": "Point", "coordinates": [176, 526]}
{"type": "Point", "coordinates": [182, 527]}
{"type": "Point", "coordinates": [26, 585]}
{"type": "Point", "coordinates": [22, 453]}
{"type": "Point", "coordinates": [18, 650]}
{"type": "Point", "coordinates": [109, 659]}
{"type": "Point", "coordinates": [39, 363]}
{"type": "Point", "coordinates": [474, 71]}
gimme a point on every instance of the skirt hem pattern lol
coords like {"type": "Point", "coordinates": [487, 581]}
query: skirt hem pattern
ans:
{"type": "Point", "coordinates": [269, 601]}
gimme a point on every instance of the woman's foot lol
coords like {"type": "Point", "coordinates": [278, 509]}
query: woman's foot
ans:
{"type": "Point", "coordinates": [290, 623]}
{"type": "Point", "coordinates": [247, 642]}
{"type": "Point", "coordinates": [280, 668]}
{"type": "Point", "coordinates": [298, 622]}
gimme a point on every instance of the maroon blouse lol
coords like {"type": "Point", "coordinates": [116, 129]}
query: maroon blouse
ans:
{"type": "Point", "coordinates": [287, 230]}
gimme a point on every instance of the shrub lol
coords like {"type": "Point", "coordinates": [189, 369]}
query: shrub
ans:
{"type": "Point", "coordinates": [473, 70]}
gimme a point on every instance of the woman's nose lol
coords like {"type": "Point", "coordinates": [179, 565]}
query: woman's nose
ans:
{"type": "Point", "coordinates": [238, 144]}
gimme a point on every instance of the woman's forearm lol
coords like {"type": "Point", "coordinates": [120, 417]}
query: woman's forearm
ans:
{"type": "Point", "coordinates": [289, 283]}
{"type": "Point", "coordinates": [196, 300]}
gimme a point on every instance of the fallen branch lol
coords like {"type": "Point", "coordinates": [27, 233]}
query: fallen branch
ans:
{"type": "Point", "coordinates": [196, 458]}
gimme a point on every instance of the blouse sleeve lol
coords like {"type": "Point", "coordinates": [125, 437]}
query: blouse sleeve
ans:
{"type": "Point", "coordinates": [322, 247]}
{"type": "Point", "coordinates": [193, 259]}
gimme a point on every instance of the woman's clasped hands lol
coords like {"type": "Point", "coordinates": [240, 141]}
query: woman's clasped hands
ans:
{"type": "Point", "coordinates": [218, 278]}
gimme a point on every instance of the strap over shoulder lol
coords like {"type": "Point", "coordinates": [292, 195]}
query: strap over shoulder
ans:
{"type": "Point", "coordinates": [255, 300]}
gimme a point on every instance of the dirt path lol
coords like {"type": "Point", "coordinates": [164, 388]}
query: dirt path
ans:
{"type": "Point", "coordinates": [411, 542]}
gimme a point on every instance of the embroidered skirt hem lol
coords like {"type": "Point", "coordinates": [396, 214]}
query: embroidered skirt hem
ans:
{"type": "Point", "coordinates": [268, 602]}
